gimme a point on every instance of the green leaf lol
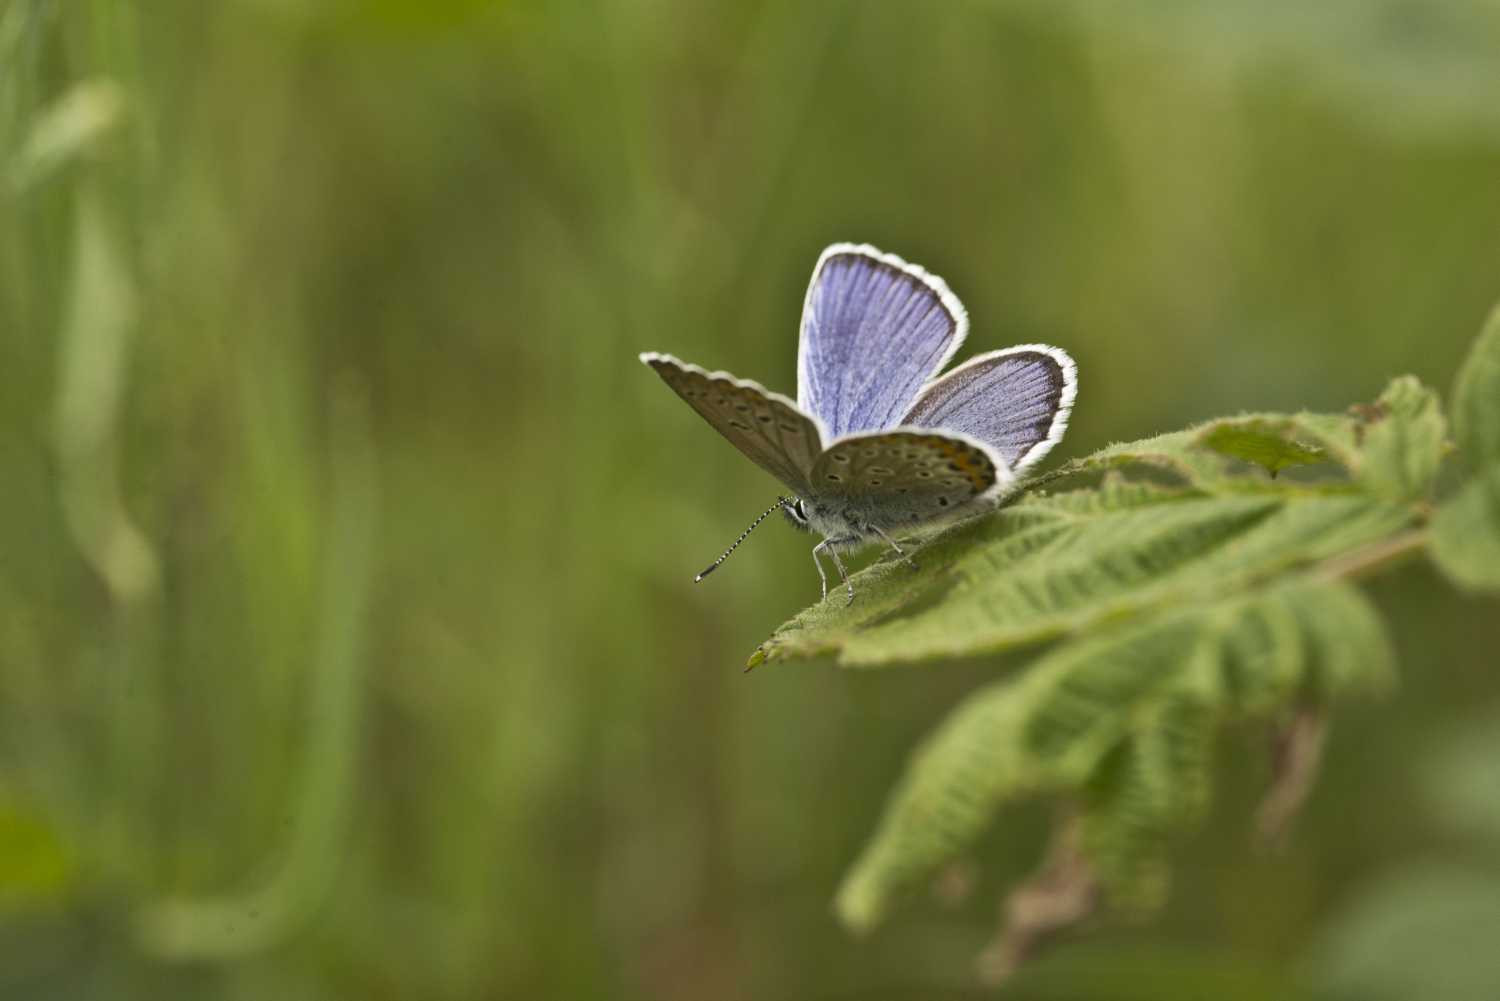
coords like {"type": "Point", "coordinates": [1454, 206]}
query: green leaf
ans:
{"type": "Point", "coordinates": [1258, 654]}
{"type": "Point", "coordinates": [1202, 455]}
{"type": "Point", "coordinates": [1043, 731]}
{"type": "Point", "coordinates": [1466, 529]}
{"type": "Point", "coordinates": [1176, 453]}
{"type": "Point", "coordinates": [1260, 442]}
{"type": "Point", "coordinates": [1153, 785]}
{"type": "Point", "coordinates": [1476, 398]}
{"type": "Point", "coordinates": [1052, 565]}
{"type": "Point", "coordinates": [1404, 443]}
{"type": "Point", "coordinates": [1466, 534]}
{"type": "Point", "coordinates": [1346, 649]}
{"type": "Point", "coordinates": [1183, 588]}
{"type": "Point", "coordinates": [1124, 719]}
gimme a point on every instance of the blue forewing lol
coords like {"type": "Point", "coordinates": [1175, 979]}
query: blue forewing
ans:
{"type": "Point", "coordinates": [874, 330]}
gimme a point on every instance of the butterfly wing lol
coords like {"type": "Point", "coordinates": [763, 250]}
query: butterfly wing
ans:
{"type": "Point", "coordinates": [1017, 401]}
{"type": "Point", "coordinates": [767, 427]}
{"type": "Point", "coordinates": [895, 479]}
{"type": "Point", "coordinates": [874, 330]}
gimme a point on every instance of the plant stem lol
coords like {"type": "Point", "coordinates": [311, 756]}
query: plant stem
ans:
{"type": "Point", "coordinates": [1374, 557]}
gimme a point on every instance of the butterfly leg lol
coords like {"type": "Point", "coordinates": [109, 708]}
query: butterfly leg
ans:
{"type": "Point", "coordinates": [898, 550]}
{"type": "Point", "coordinates": [843, 574]}
{"type": "Point", "coordinates": [819, 564]}
{"type": "Point", "coordinates": [826, 546]}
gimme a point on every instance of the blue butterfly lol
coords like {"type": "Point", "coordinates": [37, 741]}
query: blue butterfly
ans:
{"type": "Point", "coordinates": [878, 443]}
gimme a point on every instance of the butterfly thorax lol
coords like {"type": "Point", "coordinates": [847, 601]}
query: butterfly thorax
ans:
{"type": "Point", "coordinates": [844, 524]}
{"type": "Point", "coordinates": [844, 529]}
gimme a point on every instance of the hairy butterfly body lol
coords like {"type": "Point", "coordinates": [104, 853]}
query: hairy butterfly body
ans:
{"type": "Point", "coordinates": [877, 443]}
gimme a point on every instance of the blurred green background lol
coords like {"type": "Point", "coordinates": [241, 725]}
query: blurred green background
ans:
{"type": "Point", "coordinates": [348, 644]}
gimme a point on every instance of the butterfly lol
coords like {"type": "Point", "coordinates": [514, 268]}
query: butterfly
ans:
{"type": "Point", "coordinates": [877, 442]}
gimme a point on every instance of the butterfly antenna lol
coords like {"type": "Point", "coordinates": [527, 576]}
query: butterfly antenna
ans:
{"type": "Point", "coordinates": [780, 503]}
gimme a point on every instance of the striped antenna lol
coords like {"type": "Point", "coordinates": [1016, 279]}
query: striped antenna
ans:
{"type": "Point", "coordinates": [780, 503]}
